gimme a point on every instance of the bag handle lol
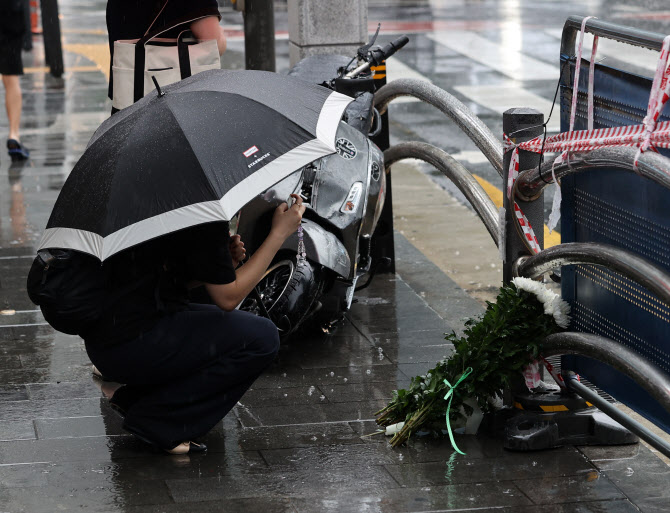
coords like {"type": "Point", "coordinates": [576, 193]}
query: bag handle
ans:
{"type": "Point", "coordinates": [140, 55]}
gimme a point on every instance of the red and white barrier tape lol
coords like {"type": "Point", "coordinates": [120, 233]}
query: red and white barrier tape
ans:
{"type": "Point", "coordinates": [649, 135]}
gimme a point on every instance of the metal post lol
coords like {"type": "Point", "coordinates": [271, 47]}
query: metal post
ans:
{"type": "Point", "coordinates": [259, 35]}
{"type": "Point", "coordinates": [53, 48]}
{"type": "Point", "coordinates": [382, 239]}
{"type": "Point", "coordinates": [28, 35]}
{"type": "Point", "coordinates": [521, 124]}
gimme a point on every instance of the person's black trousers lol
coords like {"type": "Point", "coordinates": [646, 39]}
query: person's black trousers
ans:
{"type": "Point", "coordinates": [186, 374]}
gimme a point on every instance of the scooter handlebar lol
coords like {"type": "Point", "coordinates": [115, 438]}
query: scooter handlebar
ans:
{"type": "Point", "coordinates": [377, 56]}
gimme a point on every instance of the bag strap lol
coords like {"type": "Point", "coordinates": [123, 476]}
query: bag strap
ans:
{"type": "Point", "coordinates": [140, 54]}
{"type": "Point", "coordinates": [182, 53]}
{"type": "Point", "coordinates": [156, 18]}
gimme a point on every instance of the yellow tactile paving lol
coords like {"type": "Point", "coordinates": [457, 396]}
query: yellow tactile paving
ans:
{"type": "Point", "coordinates": [550, 239]}
{"type": "Point", "coordinates": [95, 52]}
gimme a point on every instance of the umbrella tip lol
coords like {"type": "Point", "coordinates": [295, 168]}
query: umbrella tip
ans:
{"type": "Point", "coordinates": [158, 88]}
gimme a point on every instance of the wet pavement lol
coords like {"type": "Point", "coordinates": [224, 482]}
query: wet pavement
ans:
{"type": "Point", "coordinates": [296, 442]}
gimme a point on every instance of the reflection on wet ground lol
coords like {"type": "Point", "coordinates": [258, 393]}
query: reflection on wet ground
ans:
{"type": "Point", "coordinates": [295, 442]}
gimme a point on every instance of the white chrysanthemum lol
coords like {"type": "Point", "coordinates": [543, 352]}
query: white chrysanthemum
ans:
{"type": "Point", "coordinates": [553, 304]}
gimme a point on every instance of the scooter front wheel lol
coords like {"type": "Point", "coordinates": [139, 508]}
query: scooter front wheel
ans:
{"type": "Point", "coordinates": [288, 291]}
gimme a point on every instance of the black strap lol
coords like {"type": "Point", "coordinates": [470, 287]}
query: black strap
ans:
{"type": "Point", "coordinates": [182, 51]}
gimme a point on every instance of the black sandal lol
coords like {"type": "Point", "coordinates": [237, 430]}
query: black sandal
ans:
{"type": "Point", "coordinates": [16, 150]}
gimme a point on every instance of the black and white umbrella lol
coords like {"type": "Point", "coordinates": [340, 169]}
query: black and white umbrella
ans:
{"type": "Point", "coordinates": [195, 154]}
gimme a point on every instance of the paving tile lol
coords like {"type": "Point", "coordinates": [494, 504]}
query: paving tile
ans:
{"type": "Point", "coordinates": [45, 375]}
{"type": "Point", "coordinates": [352, 392]}
{"type": "Point", "coordinates": [71, 449]}
{"type": "Point", "coordinates": [404, 325]}
{"type": "Point", "coordinates": [154, 466]}
{"type": "Point", "coordinates": [463, 497]}
{"type": "Point", "coordinates": [366, 479]}
{"type": "Point", "coordinates": [67, 358]}
{"type": "Point", "coordinates": [286, 396]}
{"type": "Point", "coordinates": [612, 506]}
{"type": "Point", "coordinates": [13, 393]}
{"type": "Point", "coordinates": [77, 427]}
{"type": "Point", "coordinates": [16, 430]}
{"type": "Point", "coordinates": [101, 499]}
{"type": "Point", "coordinates": [415, 368]}
{"type": "Point", "coordinates": [280, 437]}
{"type": "Point", "coordinates": [653, 505]}
{"type": "Point", "coordinates": [610, 452]}
{"type": "Point", "coordinates": [588, 486]}
{"type": "Point", "coordinates": [323, 457]}
{"type": "Point", "coordinates": [51, 409]}
{"type": "Point", "coordinates": [20, 317]}
{"type": "Point", "coordinates": [251, 505]}
{"type": "Point", "coordinates": [22, 476]}
{"type": "Point", "coordinates": [62, 390]}
{"type": "Point", "coordinates": [426, 354]}
{"type": "Point", "coordinates": [640, 476]}
{"type": "Point", "coordinates": [510, 466]}
{"type": "Point", "coordinates": [371, 309]}
{"type": "Point", "coordinates": [309, 414]}
{"type": "Point", "coordinates": [333, 352]}
{"type": "Point", "coordinates": [10, 362]}
{"type": "Point", "coordinates": [292, 376]}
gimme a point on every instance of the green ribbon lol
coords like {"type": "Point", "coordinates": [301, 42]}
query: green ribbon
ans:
{"type": "Point", "coordinates": [450, 396]}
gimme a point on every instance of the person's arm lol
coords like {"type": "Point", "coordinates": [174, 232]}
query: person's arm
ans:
{"type": "Point", "coordinates": [284, 223]}
{"type": "Point", "coordinates": [209, 28]}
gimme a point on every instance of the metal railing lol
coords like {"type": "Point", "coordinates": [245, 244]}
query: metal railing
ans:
{"type": "Point", "coordinates": [528, 189]}
{"type": "Point", "coordinates": [456, 172]}
{"type": "Point", "coordinates": [653, 166]}
{"type": "Point", "coordinates": [451, 106]}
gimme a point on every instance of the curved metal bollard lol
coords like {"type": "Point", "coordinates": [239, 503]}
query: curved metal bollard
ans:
{"type": "Point", "coordinates": [449, 105]}
{"type": "Point", "coordinates": [638, 269]}
{"type": "Point", "coordinates": [453, 170]}
{"type": "Point", "coordinates": [650, 165]}
{"type": "Point", "coordinates": [626, 361]}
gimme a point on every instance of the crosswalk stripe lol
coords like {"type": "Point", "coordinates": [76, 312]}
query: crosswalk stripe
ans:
{"type": "Point", "coordinates": [508, 95]}
{"type": "Point", "coordinates": [499, 57]}
{"type": "Point", "coordinates": [396, 69]}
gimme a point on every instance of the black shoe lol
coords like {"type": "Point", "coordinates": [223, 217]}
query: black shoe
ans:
{"type": "Point", "coordinates": [16, 150]}
{"type": "Point", "coordinates": [187, 448]}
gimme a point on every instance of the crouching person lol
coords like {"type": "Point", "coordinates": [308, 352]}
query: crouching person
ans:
{"type": "Point", "coordinates": [184, 366]}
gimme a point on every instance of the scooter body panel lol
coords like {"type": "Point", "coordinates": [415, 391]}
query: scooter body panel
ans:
{"type": "Point", "coordinates": [322, 247]}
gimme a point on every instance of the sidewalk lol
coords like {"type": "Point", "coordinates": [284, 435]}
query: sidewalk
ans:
{"type": "Point", "coordinates": [295, 443]}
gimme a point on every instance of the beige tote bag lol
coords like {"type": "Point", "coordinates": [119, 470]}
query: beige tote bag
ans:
{"type": "Point", "coordinates": [169, 60]}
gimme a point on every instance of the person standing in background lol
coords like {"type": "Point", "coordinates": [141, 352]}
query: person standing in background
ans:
{"type": "Point", "coordinates": [132, 19]}
{"type": "Point", "coordinates": [12, 29]}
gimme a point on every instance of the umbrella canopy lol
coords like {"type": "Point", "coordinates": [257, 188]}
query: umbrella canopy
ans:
{"type": "Point", "coordinates": [196, 154]}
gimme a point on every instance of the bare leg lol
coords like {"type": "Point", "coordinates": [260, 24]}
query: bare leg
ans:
{"type": "Point", "coordinates": [13, 103]}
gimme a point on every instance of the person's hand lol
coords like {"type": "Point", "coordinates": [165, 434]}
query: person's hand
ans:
{"type": "Point", "coordinates": [237, 251]}
{"type": "Point", "coordinates": [286, 220]}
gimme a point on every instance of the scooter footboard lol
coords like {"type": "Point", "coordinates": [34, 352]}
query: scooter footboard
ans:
{"type": "Point", "coordinates": [322, 247]}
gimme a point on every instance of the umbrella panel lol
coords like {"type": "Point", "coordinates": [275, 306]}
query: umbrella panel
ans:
{"type": "Point", "coordinates": [189, 150]}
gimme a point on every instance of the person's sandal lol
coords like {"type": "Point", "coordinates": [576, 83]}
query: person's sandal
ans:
{"type": "Point", "coordinates": [187, 448]}
{"type": "Point", "coordinates": [16, 150]}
